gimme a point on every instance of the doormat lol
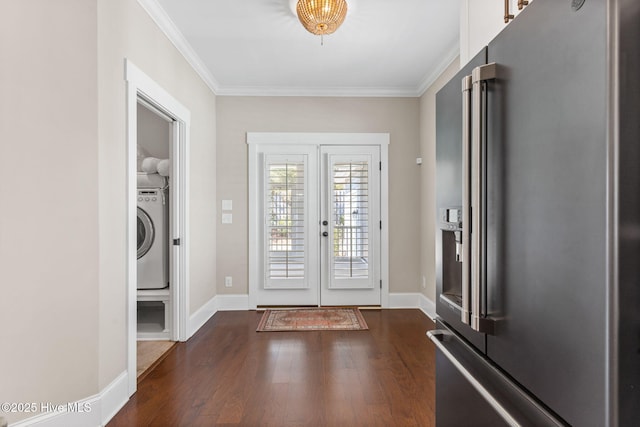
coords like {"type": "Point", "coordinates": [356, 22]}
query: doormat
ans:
{"type": "Point", "coordinates": [313, 319]}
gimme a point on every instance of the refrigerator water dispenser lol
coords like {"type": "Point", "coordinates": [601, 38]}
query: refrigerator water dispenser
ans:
{"type": "Point", "coordinates": [451, 241]}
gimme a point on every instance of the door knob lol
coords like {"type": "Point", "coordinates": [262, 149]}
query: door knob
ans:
{"type": "Point", "coordinates": [325, 222]}
{"type": "Point", "coordinates": [325, 233]}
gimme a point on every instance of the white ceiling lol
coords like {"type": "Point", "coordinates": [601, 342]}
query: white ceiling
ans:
{"type": "Point", "coordinates": [258, 47]}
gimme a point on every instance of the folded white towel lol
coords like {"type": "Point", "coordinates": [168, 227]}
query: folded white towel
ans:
{"type": "Point", "coordinates": [150, 165]}
{"type": "Point", "coordinates": [164, 167]}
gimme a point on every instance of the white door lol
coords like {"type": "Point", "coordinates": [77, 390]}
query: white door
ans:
{"type": "Point", "coordinates": [288, 241]}
{"type": "Point", "coordinates": [350, 223]}
{"type": "Point", "coordinates": [319, 236]}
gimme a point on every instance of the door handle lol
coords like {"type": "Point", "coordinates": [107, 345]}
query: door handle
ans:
{"type": "Point", "coordinates": [479, 77]}
{"type": "Point", "coordinates": [325, 222]}
{"type": "Point", "coordinates": [439, 337]}
{"type": "Point", "coordinates": [508, 16]}
{"type": "Point", "coordinates": [465, 255]}
{"type": "Point", "coordinates": [325, 233]}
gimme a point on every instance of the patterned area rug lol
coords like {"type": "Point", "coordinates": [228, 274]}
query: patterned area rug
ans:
{"type": "Point", "coordinates": [312, 319]}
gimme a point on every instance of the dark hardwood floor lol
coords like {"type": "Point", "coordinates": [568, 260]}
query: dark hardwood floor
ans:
{"type": "Point", "coordinates": [228, 374]}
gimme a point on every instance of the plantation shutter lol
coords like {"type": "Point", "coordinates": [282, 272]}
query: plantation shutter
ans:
{"type": "Point", "coordinates": [286, 222]}
{"type": "Point", "coordinates": [351, 219]}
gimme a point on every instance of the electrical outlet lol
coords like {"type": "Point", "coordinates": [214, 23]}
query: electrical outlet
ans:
{"type": "Point", "coordinates": [228, 281]}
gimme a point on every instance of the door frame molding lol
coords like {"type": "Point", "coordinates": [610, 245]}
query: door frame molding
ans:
{"type": "Point", "coordinates": [254, 139]}
{"type": "Point", "coordinates": [141, 86]}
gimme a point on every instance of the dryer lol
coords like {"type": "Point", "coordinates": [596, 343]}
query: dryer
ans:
{"type": "Point", "coordinates": [153, 242]}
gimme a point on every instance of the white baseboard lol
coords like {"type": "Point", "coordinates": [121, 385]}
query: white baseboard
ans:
{"type": "Point", "coordinates": [241, 302]}
{"type": "Point", "coordinates": [404, 300]}
{"type": "Point", "coordinates": [96, 410]}
{"type": "Point", "coordinates": [200, 317]}
{"type": "Point", "coordinates": [413, 300]}
{"type": "Point", "coordinates": [215, 304]}
{"type": "Point", "coordinates": [114, 397]}
{"type": "Point", "coordinates": [233, 302]}
{"type": "Point", "coordinates": [428, 307]}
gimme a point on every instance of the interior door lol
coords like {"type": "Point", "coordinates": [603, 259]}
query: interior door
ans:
{"type": "Point", "coordinates": [350, 225]}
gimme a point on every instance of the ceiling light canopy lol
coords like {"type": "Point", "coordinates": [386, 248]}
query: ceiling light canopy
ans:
{"type": "Point", "coordinates": [321, 17]}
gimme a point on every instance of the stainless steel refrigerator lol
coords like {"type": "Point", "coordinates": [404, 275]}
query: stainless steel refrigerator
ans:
{"type": "Point", "coordinates": [538, 205]}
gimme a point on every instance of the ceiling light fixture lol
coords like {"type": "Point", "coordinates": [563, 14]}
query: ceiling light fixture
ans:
{"type": "Point", "coordinates": [321, 17]}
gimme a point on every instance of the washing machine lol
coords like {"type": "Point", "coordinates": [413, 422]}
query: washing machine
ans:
{"type": "Point", "coordinates": [153, 238]}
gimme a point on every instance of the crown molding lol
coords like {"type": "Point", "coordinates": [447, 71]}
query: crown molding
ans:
{"type": "Point", "coordinates": [430, 78]}
{"type": "Point", "coordinates": [175, 36]}
{"type": "Point", "coordinates": [354, 92]}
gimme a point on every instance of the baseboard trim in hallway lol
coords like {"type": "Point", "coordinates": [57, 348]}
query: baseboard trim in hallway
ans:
{"type": "Point", "coordinates": [96, 410]}
{"type": "Point", "coordinates": [241, 302]}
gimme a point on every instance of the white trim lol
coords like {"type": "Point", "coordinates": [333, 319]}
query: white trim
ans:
{"type": "Point", "coordinates": [114, 397]}
{"type": "Point", "coordinates": [202, 315]}
{"type": "Point", "coordinates": [404, 300]}
{"type": "Point", "coordinates": [159, 97]}
{"type": "Point", "coordinates": [429, 79]}
{"type": "Point", "coordinates": [240, 302]}
{"type": "Point", "coordinates": [236, 302]}
{"type": "Point", "coordinates": [428, 307]}
{"type": "Point", "coordinates": [141, 85]}
{"type": "Point", "coordinates": [384, 218]}
{"type": "Point", "coordinates": [99, 408]}
{"type": "Point", "coordinates": [318, 138]}
{"type": "Point", "coordinates": [185, 232]}
{"type": "Point", "coordinates": [254, 222]}
{"type": "Point", "coordinates": [175, 36]}
{"type": "Point", "coordinates": [352, 92]}
{"type": "Point", "coordinates": [413, 300]}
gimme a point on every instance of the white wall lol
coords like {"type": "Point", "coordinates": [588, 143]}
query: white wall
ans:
{"type": "Point", "coordinates": [398, 116]}
{"type": "Point", "coordinates": [427, 180]}
{"type": "Point", "coordinates": [62, 190]}
{"type": "Point", "coordinates": [48, 202]}
{"type": "Point", "coordinates": [126, 31]}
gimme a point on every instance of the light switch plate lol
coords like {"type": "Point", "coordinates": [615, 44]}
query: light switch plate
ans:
{"type": "Point", "coordinates": [227, 205]}
{"type": "Point", "coordinates": [227, 218]}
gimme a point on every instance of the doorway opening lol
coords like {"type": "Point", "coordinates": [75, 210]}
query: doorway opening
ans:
{"type": "Point", "coordinates": [154, 192]}
{"type": "Point", "coordinates": [157, 142]}
{"type": "Point", "coordinates": [317, 215]}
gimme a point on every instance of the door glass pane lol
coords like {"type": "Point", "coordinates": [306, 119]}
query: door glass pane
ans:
{"type": "Point", "coordinates": [351, 219]}
{"type": "Point", "coordinates": [285, 220]}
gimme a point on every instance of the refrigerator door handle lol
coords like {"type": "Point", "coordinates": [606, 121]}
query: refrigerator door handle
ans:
{"type": "Point", "coordinates": [465, 256]}
{"type": "Point", "coordinates": [514, 405]}
{"type": "Point", "coordinates": [478, 284]}
{"type": "Point", "coordinates": [438, 336]}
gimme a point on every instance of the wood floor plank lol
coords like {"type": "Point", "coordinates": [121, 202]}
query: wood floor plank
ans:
{"type": "Point", "coordinates": [229, 375]}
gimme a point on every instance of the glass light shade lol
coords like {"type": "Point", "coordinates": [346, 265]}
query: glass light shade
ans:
{"type": "Point", "coordinates": [321, 17]}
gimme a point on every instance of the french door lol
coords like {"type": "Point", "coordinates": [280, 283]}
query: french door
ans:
{"type": "Point", "coordinates": [318, 239]}
{"type": "Point", "coordinates": [350, 225]}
